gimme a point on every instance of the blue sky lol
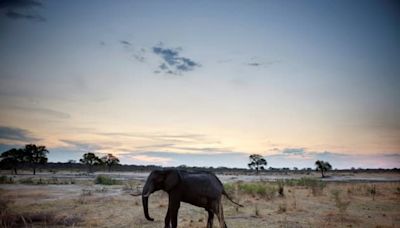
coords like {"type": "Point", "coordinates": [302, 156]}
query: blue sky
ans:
{"type": "Point", "coordinates": [203, 82]}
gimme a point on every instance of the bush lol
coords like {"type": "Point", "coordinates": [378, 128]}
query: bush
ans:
{"type": "Point", "coordinates": [6, 180]}
{"type": "Point", "coordinates": [339, 203]}
{"type": "Point", "coordinates": [317, 186]}
{"type": "Point", "coordinates": [105, 180]}
{"type": "Point", "coordinates": [258, 189]}
{"type": "Point", "coordinates": [27, 181]}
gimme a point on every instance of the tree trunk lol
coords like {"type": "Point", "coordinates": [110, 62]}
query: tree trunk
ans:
{"type": "Point", "coordinates": [322, 173]}
{"type": "Point", "coordinates": [34, 170]}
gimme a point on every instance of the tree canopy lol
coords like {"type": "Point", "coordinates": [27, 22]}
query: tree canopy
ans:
{"type": "Point", "coordinates": [323, 167]}
{"type": "Point", "coordinates": [257, 162]}
{"type": "Point", "coordinates": [90, 159]}
{"type": "Point", "coordinates": [11, 159]}
{"type": "Point", "coordinates": [31, 154]}
{"type": "Point", "coordinates": [110, 160]}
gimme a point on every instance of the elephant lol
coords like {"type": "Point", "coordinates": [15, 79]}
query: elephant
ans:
{"type": "Point", "coordinates": [201, 188]}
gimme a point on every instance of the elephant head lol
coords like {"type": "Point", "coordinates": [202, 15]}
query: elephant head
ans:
{"type": "Point", "coordinates": [158, 180]}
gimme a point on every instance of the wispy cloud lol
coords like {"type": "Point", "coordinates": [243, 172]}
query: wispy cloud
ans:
{"type": "Point", "coordinates": [301, 157]}
{"type": "Point", "coordinates": [43, 111]}
{"type": "Point", "coordinates": [82, 146]}
{"type": "Point", "coordinates": [146, 159]}
{"type": "Point", "coordinates": [19, 4]}
{"type": "Point", "coordinates": [165, 158]}
{"type": "Point", "coordinates": [16, 15]}
{"type": "Point", "coordinates": [124, 42]}
{"type": "Point", "coordinates": [293, 151]}
{"type": "Point", "coordinates": [256, 62]}
{"type": "Point", "coordinates": [21, 9]}
{"type": "Point", "coordinates": [173, 63]}
{"type": "Point", "coordinates": [135, 52]}
{"type": "Point", "coordinates": [18, 134]}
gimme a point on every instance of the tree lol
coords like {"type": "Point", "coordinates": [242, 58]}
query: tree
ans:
{"type": "Point", "coordinates": [323, 167]}
{"type": "Point", "coordinates": [257, 162]}
{"type": "Point", "coordinates": [90, 159]}
{"type": "Point", "coordinates": [35, 155]}
{"type": "Point", "coordinates": [110, 160]}
{"type": "Point", "coordinates": [11, 159]}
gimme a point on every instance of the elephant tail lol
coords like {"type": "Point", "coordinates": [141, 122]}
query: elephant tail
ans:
{"type": "Point", "coordinates": [230, 199]}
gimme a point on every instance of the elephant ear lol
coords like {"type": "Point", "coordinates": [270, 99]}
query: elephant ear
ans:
{"type": "Point", "coordinates": [173, 177]}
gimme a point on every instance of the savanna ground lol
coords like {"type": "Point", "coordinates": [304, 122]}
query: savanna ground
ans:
{"type": "Point", "coordinates": [81, 200]}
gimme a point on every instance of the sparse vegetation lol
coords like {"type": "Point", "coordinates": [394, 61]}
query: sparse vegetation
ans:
{"type": "Point", "coordinates": [105, 180]}
{"type": "Point", "coordinates": [340, 204]}
{"type": "Point", "coordinates": [372, 191]}
{"type": "Point", "coordinates": [106, 206]}
{"type": "Point", "coordinates": [6, 180]}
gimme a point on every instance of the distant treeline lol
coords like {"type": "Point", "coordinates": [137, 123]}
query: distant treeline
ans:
{"type": "Point", "coordinates": [79, 167]}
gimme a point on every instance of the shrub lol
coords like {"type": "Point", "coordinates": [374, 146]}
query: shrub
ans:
{"type": "Point", "coordinates": [281, 188]}
{"type": "Point", "coordinates": [27, 181]}
{"type": "Point", "coordinates": [258, 189]}
{"type": "Point", "coordinates": [372, 191]}
{"type": "Point", "coordinates": [105, 180]}
{"type": "Point", "coordinates": [6, 180]}
{"type": "Point", "coordinates": [340, 204]}
{"type": "Point", "coordinates": [282, 208]}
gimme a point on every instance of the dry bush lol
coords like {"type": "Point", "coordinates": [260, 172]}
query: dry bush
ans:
{"type": "Point", "coordinates": [371, 190]}
{"type": "Point", "coordinates": [282, 207]}
{"type": "Point", "coordinates": [340, 204]}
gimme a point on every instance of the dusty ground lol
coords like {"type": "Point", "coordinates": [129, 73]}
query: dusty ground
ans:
{"type": "Point", "coordinates": [83, 204]}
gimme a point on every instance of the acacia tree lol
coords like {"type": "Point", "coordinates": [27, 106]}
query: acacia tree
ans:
{"type": "Point", "coordinates": [323, 167]}
{"type": "Point", "coordinates": [257, 162]}
{"type": "Point", "coordinates": [90, 160]}
{"type": "Point", "coordinates": [35, 155]}
{"type": "Point", "coordinates": [110, 160]}
{"type": "Point", "coordinates": [11, 159]}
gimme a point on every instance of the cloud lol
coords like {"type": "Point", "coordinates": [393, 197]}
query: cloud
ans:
{"type": "Point", "coordinates": [19, 4]}
{"type": "Point", "coordinates": [44, 111]}
{"type": "Point", "coordinates": [18, 134]}
{"type": "Point", "coordinates": [137, 54]}
{"type": "Point", "coordinates": [233, 159]}
{"type": "Point", "coordinates": [15, 15]}
{"type": "Point", "coordinates": [173, 63]}
{"type": "Point", "coordinates": [124, 42]}
{"type": "Point", "coordinates": [301, 158]}
{"type": "Point", "coordinates": [295, 151]}
{"type": "Point", "coordinates": [21, 9]}
{"type": "Point", "coordinates": [146, 159]}
{"type": "Point", "coordinates": [254, 63]}
{"type": "Point", "coordinates": [82, 146]}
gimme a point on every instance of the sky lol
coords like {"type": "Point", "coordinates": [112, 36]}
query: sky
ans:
{"type": "Point", "coordinates": [203, 83]}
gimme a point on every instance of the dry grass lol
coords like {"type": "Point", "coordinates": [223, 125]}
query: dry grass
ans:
{"type": "Point", "coordinates": [112, 206]}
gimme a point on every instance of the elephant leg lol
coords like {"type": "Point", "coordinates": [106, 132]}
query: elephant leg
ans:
{"type": "Point", "coordinates": [220, 215]}
{"type": "Point", "coordinates": [210, 219]}
{"type": "Point", "coordinates": [167, 220]}
{"type": "Point", "coordinates": [173, 208]}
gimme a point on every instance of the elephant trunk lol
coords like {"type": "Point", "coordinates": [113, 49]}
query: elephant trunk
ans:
{"type": "Point", "coordinates": [145, 200]}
